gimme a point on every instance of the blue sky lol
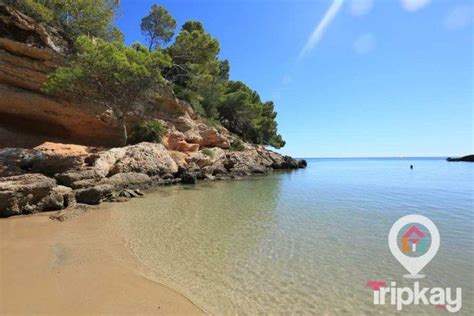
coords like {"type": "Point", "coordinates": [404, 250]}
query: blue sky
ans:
{"type": "Point", "coordinates": [353, 78]}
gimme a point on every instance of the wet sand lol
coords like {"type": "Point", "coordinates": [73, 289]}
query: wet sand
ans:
{"type": "Point", "coordinates": [80, 266]}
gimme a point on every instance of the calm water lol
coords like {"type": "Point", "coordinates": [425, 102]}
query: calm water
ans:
{"type": "Point", "coordinates": [306, 241]}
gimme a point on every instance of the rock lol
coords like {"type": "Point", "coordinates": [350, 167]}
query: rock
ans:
{"type": "Point", "coordinates": [68, 195]}
{"type": "Point", "coordinates": [129, 180]}
{"type": "Point", "coordinates": [125, 194]}
{"type": "Point", "coordinates": [49, 165]}
{"type": "Point", "coordinates": [468, 158]}
{"type": "Point", "coordinates": [167, 176]}
{"type": "Point", "coordinates": [71, 212]}
{"type": "Point", "coordinates": [205, 136]}
{"type": "Point", "coordinates": [28, 193]}
{"type": "Point", "coordinates": [86, 183]}
{"type": "Point", "coordinates": [59, 149]}
{"type": "Point", "coordinates": [188, 178]}
{"type": "Point", "coordinates": [132, 193]}
{"type": "Point", "coordinates": [176, 141]}
{"type": "Point", "coordinates": [302, 163]}
{"type": "Point", "coordinates": [70, 177]}
{"type": "Point", "coordinates": [29, 51]}
{"type": "Point", "coordinates": [209, 177]}
{"type": "Point", "coordinates": [94, 195]}
{"type": "Point", "coordinates": [19, 158]}
{"type": "Point", "coordinates": [148, 158]}
{"type": "Point", "coordinates": [179, 158]}
{"type": "Point", "coordinates": [34, 160]}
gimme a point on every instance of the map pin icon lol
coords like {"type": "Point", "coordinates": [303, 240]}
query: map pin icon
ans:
{"type": "Point", "coordinates": [414, 264]}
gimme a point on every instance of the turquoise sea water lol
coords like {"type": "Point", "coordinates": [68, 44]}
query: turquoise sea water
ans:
{"type": "Point", "coordinates": [306, 241]}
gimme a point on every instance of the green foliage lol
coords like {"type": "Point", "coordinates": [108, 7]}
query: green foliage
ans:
{"type": "Point", "coordinates": [191, 26]}
{"type": "Point", "coordinates": [33, 8]}
{"type": "Point", "coordinates": [74, 17]}
{"type": "Point", "coordinates": [208, 152]}
{"type": "Point", "coordinates": [108, 72]}
{"type": "Point", "coordinates": [243, 113]}
{"type": "Point", "coordinates": [196, 71]}
{"type": "Point", "coordinates": [237, 145]}
{"type": "Point", "coordinates": [158, 27]}
{"type": "Point", "coordinates": [151, 131]}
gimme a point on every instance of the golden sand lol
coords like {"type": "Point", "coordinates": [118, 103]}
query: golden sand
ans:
{"type": "Point", "coordinates": [80, 266]}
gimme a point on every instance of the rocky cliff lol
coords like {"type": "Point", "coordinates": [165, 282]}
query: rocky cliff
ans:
{"type": "Point", "coordinates": [38, 172]}
{"type": "Point", "coordinates": [28, 117]}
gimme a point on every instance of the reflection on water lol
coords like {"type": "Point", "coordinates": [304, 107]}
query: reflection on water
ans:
{"type": "Point", "coordinates": [306, 241]}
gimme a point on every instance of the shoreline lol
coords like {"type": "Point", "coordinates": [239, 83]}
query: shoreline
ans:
{"type": "Point", "coordinates": [80, 266]}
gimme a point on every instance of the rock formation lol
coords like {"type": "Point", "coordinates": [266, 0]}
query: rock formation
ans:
{"type": "Point", "coordinates": [39, 173]}
{"type": "Point", "coordinates": [28, 117]}
{"type": "Point", "coordinates": [468, 158]}
{"type": "Point", "coordinates": [55, 176]}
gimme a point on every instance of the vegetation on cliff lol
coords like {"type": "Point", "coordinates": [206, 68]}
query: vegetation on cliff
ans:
{"type": "Point", "coordinates": [118, 75]}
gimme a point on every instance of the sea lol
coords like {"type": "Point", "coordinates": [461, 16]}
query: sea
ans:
{"type": "Point", "coordinates": [307, 241]}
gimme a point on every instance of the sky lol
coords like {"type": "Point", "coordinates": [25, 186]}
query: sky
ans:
{"type": "Point", "coordinates": [353, 78]}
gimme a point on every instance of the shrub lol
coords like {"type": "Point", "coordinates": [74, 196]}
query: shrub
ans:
{"type": "Point", "coordinates": [74, 18]}
{"type": "Point", "coordinates": [208, 152]}
{"type": "Point", "coordinates": [151, 131]}
{"type": "Point", "coordinates": [237, 145]}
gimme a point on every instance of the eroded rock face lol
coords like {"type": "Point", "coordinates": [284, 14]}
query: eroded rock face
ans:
{"type": "Point", "coordinates": [148, 158]}
{"type": "Point", "coordinates": [89, 176]}
{"type": "Point", "coordinates": [28, 193]}
{"type": "Point", "coordinates": [29, 51]}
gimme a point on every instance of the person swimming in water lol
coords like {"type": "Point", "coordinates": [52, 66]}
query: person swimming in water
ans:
{"type": "Point", "coordinates": [411, 167]}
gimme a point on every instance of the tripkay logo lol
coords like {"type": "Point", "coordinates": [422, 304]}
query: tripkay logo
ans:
{"type": "Point", "coordinates": [414, 241]}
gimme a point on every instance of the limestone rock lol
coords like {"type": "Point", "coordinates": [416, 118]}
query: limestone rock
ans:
{"type": "Point", "coordinates": [188, 178]}
{"type": "Point", "coordinates": [28, 193]}
{"type": "Point", "coordinates": [129, 180]}
{"type": "Point", "coordinates": [94, 195]}
{"type": "Point", "coordinates": [148, 158]}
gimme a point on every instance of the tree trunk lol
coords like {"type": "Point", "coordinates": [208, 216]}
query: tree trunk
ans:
{"type": "Point", "coordinates": [125, 134]}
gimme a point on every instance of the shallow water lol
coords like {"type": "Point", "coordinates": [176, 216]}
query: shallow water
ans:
{"type": "Point", "coordinates": [306, 241]}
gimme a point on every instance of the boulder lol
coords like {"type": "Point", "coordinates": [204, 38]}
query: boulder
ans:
{"type": "Point", "coordinates": [28, 193]}
{"type": "Point", "coordinates": [70, 177]}
{"type": "Point", "coordinates": [50, 165]}
{"type": "Point", "coordinates": [175, 141]}
{"type": "Point", "coordinates": [302, 163]}
{"type": "Point", "coordinates": [129, 180]}
{"type": "Point", "coordinates": [145, 157]}
{"type": "Point", "coordinates": [188, 178]}
{"type": "Point", "coordinates": [94, 195]}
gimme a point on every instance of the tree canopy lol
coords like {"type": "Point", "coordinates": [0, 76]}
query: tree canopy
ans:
{"type": "Point", "coordinates": [109, 72]}
{"type": "Point", "coordinates": [118, 76]}
{"type": "Point", "coordinates": [75, 17]}
{"type": "Point", "coordinates": [158, 27]}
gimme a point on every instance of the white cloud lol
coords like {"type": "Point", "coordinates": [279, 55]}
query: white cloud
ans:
{"type": "Point", "coordinates": [361, 7]}
{"type": "Point", "coordinates": [414, 5]}
{"type": "Point", "coordinates": [318, 31]}
{"type": "Point", "coordinates": [459, 17]}
{"type": "Point", "coordinates": [364, 44]}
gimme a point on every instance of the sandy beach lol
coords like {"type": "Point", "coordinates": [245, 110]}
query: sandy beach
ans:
{"type": "Point", "coordinates": [80, 266]}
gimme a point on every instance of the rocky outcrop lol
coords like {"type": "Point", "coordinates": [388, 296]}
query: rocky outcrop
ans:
{"type": "Point", "coordinates": [148, 158]}
{"type": "Point", "coordinates": [56, 176]}
{"type": "Point", "coordinates": [468, 158]}
{"type": "Point", "coordinates": [28, 117]}
{"type": "Point", "coordinates": [38, 172]}
{"type": "Point", "coordinates": [28, 52]}
{"type": "Point", "coordinates": [30, 193]}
